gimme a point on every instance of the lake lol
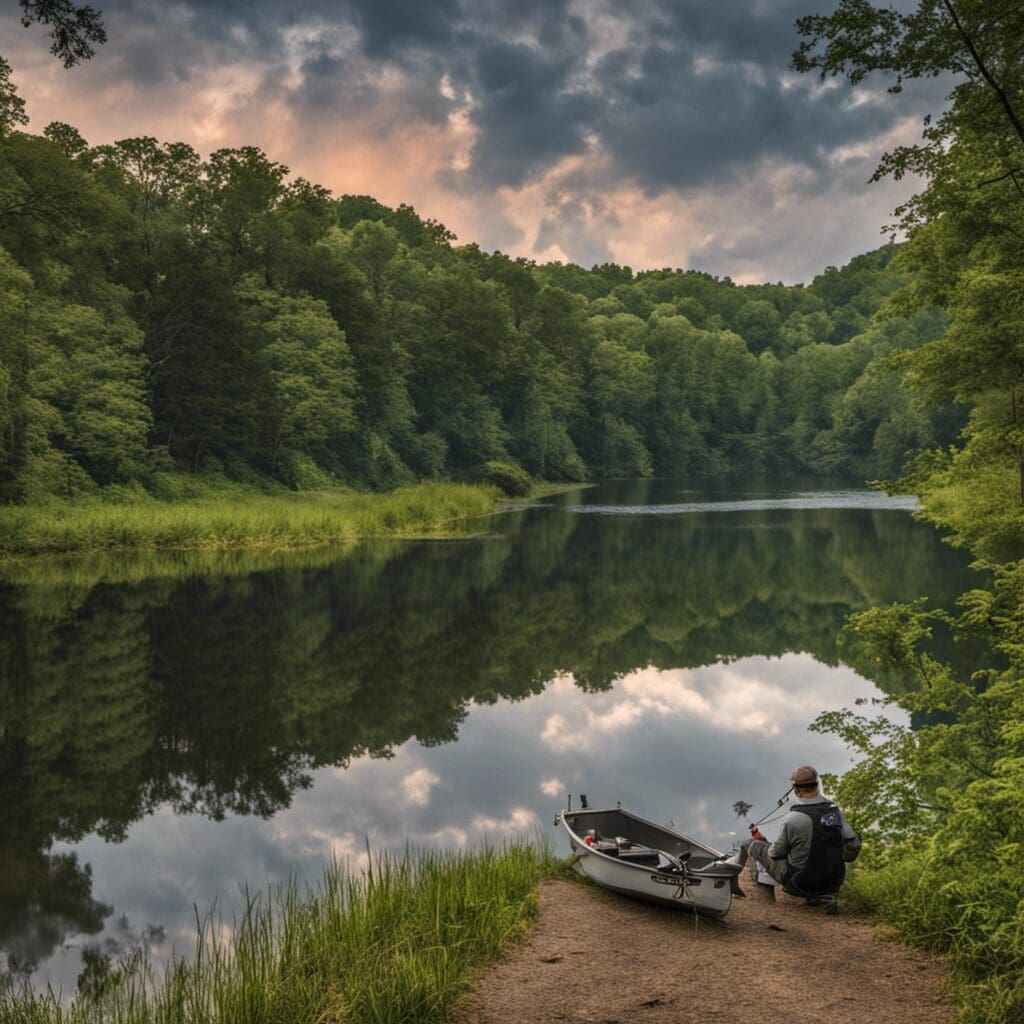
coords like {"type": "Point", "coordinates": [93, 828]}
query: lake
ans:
{"type": "Point", "coordinates": [171, 737]}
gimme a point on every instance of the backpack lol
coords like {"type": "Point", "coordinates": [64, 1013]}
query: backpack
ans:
{"type": "Point", "coordinates": [825, 869]}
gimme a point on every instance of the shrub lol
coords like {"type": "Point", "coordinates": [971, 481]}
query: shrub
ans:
{"type": "Point", "coordinates": [512, 479]}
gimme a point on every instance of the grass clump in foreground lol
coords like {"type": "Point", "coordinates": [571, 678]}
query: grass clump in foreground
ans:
{"type": "Point", "coordinates": [396, 943]}
{"type": "Point", "coordinates": [969, 915]}
{"type": "Point", "coordinates": [242, 519]}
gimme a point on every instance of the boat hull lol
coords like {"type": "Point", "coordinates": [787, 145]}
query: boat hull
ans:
{"type": "Point", "coordinates": [705, 889]}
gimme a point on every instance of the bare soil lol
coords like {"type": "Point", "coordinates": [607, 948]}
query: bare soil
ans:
{"type": "Point", "coordinates": [596, 958]}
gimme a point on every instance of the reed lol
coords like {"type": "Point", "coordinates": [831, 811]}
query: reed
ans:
{"type": "Point", "coordinates": [396, 942]}
{"type": "Point", "coordinates": [242, 520]}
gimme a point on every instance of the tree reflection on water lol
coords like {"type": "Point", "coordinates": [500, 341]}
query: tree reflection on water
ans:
{"type": "Point", "coordinates": [217, 693]}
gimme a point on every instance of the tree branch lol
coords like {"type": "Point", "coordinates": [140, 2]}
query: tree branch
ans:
{"type": "Point", "coordinates": [985, 73]}
{"type": "Point", "coordinates": [1002, 177]}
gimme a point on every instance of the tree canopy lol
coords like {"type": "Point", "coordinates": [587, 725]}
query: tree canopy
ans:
{"type": "Point", "coordinates": [174, 313]}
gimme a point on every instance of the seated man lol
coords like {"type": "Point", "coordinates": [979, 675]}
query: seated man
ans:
{"type": "Point", "coordinates": [814, 846]}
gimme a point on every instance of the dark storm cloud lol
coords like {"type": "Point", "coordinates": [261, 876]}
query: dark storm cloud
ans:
{"type": "Point", "coordinates": [571, 225]}
{"type": "Point", "coordinates": [333, 88]}
{"type": "Point", "coordinates": [690, 94]}
{"type": "Point", "coordinates": [388, 26]}
{"type": "Point", "coordinates": [527, 116]}
{"type": "Point", "coordinates": [671, 124]}
{"type": "Point", "coordinates": [679, 93]}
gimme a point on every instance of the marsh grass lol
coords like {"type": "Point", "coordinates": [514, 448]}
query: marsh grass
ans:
{"type": "Point", "coordinates": [225, 521]}
{"type": "Point", "coordinates": [969, 915]}
{"type": "Point", "coordinates": [397, 942]}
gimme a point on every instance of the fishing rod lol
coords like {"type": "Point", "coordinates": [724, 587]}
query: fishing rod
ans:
{"type": "Point", "coordinates": [782, 799]}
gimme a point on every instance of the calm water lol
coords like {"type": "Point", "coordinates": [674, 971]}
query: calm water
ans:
{"type": "Point", "coordinates": [663, 644]}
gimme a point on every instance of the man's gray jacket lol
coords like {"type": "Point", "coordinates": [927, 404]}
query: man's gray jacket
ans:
{"type": "Point", "coordinates": [794, 842]}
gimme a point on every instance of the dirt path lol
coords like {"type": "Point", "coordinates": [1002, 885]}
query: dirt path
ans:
{"type": "Point", "coordinates": [596, 958]}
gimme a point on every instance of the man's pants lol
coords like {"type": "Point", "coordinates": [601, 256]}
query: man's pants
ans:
{"type": "Point", "coordinates": [758, 849]}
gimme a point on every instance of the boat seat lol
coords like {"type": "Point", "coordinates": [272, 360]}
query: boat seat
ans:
{"type": "Point", "coordinates": [699, 863]}
{"type": "Point", "coordinates": [640, 855]}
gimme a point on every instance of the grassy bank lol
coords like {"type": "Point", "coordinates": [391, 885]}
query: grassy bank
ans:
{"type": "Point", "coordinates": [243, 519]}
{"type": "Point", "coordinates": [969, 915]}
{"type": "Point", "coordinates": [395, 943]}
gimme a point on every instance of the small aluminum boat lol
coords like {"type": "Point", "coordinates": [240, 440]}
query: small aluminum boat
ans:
{"type": "Point", "coordinates": [635, 857]}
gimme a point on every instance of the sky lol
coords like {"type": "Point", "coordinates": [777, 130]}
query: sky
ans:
{"type": "Point", "coordinates": [648, 132]}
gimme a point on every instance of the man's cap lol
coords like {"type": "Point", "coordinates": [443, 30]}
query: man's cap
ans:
{"type": "Point", "coordinates": [805, 775]}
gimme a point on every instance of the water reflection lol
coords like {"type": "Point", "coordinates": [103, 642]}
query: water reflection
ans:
{"type": "Point", "coordinates": [179, 734]}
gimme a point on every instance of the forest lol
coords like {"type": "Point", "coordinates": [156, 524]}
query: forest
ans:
{"type": "Point", "coordinates": [164, 316]}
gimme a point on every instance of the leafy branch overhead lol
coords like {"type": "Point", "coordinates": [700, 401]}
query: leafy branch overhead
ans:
{"type": "Point", "coordinates": [975, 44]}
{"type": "Point", "coordinates": [75, 32]}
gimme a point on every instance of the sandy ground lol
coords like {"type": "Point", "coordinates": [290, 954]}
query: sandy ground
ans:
{"type": "Point", "coordinates": [597, 958]}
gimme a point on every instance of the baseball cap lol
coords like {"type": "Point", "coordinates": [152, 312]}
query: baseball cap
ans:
{"type": "Point", "coordinates": [804, 775]}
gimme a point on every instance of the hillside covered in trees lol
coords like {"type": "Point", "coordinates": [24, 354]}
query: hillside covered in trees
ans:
{"type": "Point", "coordinates": [162, 313]}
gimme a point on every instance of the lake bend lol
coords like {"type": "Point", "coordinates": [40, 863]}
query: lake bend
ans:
{"type": "Point", "coordinates": [168, 741]}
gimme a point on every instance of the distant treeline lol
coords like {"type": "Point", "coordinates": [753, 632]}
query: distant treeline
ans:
{"type": "Point", "coordinates": [163, 313]}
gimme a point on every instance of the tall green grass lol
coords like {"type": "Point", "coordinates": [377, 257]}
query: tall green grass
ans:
{"type": "Point", "coordinates": [246, 520]}
{"type": "Point", "coordinates": [970, 916]}
{"type": "Point", "coordinates": [396, 943]}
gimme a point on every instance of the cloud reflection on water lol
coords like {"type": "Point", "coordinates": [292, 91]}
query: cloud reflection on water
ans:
{"type": "Point", "coordinates": [680, 745]}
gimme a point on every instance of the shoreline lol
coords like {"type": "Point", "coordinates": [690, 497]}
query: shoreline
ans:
{"type": "Point", "coordinates": [591, 956]}
{"type": "Point", "coordinates": [466, 935]}
{"type": "Point", "coordinates": [238, 521]}
{"type": "Point", "coordinates": [428, 512]}
{"type": "Point", "coordinates": [394, 938]}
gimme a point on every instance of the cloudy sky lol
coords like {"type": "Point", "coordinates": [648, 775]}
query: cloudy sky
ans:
{"type": "Point", "coordinates": [649, 132]}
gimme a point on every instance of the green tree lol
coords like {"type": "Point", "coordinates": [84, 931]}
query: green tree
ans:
{"type": "Point", "coordinates": [211, 390]}
{"type": "Point", "coordinates": [67, 137]}
{"type": "Point", "coordinates": [234, 203]}
{"type": "Point", "coordinates": [310, 370]}
{"type": "Point", "coordinates": [12, 106]}
{"type": "Point", "coordinates": [758, 323]}
{"type": "Point", "coordinates": [88, 370]}
{"type": "Point", "coordinates": [373, 246]}
{"type": "Point", "coordinates": [15, 294]}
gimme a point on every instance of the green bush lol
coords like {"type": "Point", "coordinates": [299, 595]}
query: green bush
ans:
{"type": "Point", "coordinates": [510, 478]}
{"type": "Point", "coordinates": [941, 805]}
